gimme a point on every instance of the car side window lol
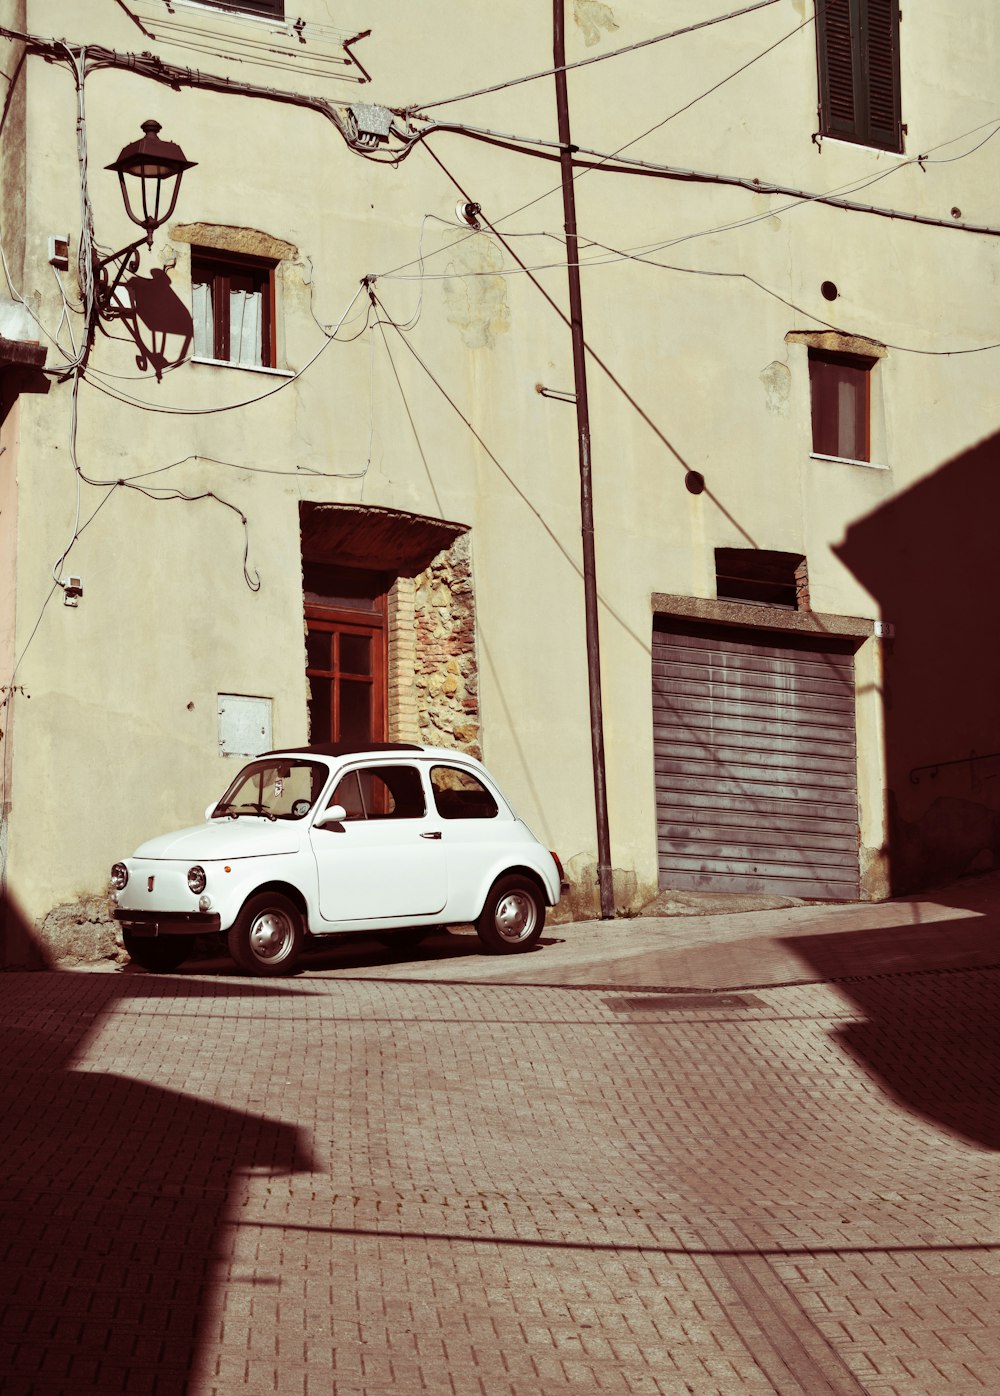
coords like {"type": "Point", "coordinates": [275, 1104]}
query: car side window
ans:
{"type": "Point", "coordinates": [381, 792]}
{"type": "Point", "coordinates": [459, 795]}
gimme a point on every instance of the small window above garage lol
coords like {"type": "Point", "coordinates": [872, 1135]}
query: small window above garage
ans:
{"type": "Point", "coordinates": [760, 577]}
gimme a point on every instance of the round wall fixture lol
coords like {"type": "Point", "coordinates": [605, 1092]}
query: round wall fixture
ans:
{"type": "Point", "coordinates": [468, 214]}
{"type": "Point", "coordinates": [829, 289]}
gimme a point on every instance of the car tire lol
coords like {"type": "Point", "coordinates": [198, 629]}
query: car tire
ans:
{"type": "Point", "coordinates": [158, 954]}
{"type": "Point", "coordinates": [268, 935]}
{"type": "Point", "coordinates": [512, 917]}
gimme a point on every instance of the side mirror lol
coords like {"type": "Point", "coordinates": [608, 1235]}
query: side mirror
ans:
{"type": "Point", "coordinates": [333, 814]}
{"type": "Point", "coordinates": [210, 809]}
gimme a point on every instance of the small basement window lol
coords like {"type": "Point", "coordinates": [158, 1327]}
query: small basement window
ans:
{"type": "Point", "coordinates": [233, 308]}
{"type": "Point", "coordinates": [759, 577]}
{"type": "Point", "coordinates": [840, 388]}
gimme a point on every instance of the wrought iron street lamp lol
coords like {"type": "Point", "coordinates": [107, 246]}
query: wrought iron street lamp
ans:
{"type": "Point", "coordinates": [150, 170]}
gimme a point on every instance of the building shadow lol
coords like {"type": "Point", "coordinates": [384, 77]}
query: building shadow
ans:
{"type": "Point", "coordinates": [929, 557]}
{"type": "Point", "coordinates": [928, 996]}
{"type": "Point", "coordinates": [120, 1193]}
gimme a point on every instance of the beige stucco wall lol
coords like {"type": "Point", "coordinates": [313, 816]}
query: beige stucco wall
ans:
{"type": "Point", "coordinates": [119, 739]}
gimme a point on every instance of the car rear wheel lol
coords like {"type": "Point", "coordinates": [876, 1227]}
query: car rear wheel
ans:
{"type": "Point", "coordinates": [159, 954]}
{"type": "Point", "coordinates": [267, 936]}
{"type": "Point", "coordinates": [513, 916]}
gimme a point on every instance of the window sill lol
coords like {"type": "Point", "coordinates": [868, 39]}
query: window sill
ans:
{"type": "Point", "coordinates": [820, 140]}
{"type": "Point", "coordinates": [245, 368]}
{"type": "Point", "coordinates": [848, 460]}
{"type": "Point", "coordinates": [218, 12]}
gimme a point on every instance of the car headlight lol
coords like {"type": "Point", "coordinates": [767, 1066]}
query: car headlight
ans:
{"type": "Point", "coordinates": [197, 878]}
{"type": "Point", "coordinates": [119, 877]}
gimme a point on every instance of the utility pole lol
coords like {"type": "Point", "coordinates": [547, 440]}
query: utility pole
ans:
{"type": "Point", "coordinates": [586, 494]}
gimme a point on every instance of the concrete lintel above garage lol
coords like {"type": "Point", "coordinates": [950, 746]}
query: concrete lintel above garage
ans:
{"type": "Point", "coordinates": [756, 617]}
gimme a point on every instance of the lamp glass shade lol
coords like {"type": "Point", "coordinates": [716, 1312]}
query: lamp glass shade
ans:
{"type": "Point", "coordinates": [153, 162]}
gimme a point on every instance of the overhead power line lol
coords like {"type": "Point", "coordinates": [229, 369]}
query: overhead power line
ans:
{"type": "Point", "coordinates": [609, 163]}
{"type": "Point", "coordinates": [584, 62]}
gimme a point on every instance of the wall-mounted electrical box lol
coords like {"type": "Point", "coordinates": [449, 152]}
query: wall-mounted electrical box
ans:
{"type": "Point", "coordinates": [59, 251]}
{"type": "Point", "coordinates": [244, 725]}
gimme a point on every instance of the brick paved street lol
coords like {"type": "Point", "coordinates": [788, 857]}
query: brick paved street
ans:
{"type": "Point", "coordinates": [396, 1177]}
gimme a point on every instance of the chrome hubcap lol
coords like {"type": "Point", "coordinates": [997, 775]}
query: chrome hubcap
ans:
{"type": "Point", "coordinates": [515, 916]}
{"type": "Point", "coordinates": [271, 936]}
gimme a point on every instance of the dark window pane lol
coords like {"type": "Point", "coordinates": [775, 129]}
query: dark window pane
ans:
{"type": "Point", "coordinates": [318, 649]}
{"type": "Point", "coordinates": [762, 577]}
{"type": "Point", "coordinates": [355, 654]}
{"type": "Point", "coordinates": [459, 795]}
{"type": "Point", "coordinates": [321, 710]}
{"type": "Point", "coordinates": [231, 310]}
{"type": "Point", "coordinates": [403, 792]}
{"type": "Point", "coordinates": [839, 386]}
{"type": "Point", "coordinates": [355, 712]}
{"type": "Point", "coordinates": [347, 588]}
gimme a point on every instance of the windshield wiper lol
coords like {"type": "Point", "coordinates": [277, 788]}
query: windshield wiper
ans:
{"type": "Point", "coordinates": [234, 811]}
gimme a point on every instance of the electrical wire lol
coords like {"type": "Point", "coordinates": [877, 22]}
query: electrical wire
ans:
{"type": "Point", "coordinates": [93, 376]}
{"type": "Point", "coordinates": [406, 407]}
{"type": "Point", "coordinates": [584, 62]}
{"type": "Point", "coordinates": [776, 295]}
{"type": "Point", "coordinates": [386, 318]}
{"type": "Point", "coordinates": [753, 184]}
{"type": "Point", "coordinates": [708, 92]}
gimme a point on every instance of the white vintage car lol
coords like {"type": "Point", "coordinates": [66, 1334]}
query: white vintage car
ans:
{"type": "Point", "coordinates": [395, 840]}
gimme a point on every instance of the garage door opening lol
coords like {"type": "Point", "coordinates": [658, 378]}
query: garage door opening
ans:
{"type": "Point", "coordinates": [756, 761]}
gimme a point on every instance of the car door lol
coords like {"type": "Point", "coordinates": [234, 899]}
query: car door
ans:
{"type": "Point", "coordinates": [384, 861]}
{"type": "Point", "coordinates": [476, 833]}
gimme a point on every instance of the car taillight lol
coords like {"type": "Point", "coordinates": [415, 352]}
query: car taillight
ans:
{"type": "Point", "coordinates": [559, 866]}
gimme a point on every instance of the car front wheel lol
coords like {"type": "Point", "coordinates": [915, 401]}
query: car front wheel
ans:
{"type": "Point", "coordinates": [267, 936]}
{"type": "Point", "coordinates": [159, 954]}
{"type": "Point", "coordinates": [513, 916]}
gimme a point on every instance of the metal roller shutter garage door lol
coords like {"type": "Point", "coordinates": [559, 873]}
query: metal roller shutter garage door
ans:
{"type": "Point", "coordinates": [756, 775]}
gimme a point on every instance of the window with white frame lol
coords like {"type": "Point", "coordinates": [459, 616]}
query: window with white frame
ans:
{"type": "Point", "coordinates": [232, 305]}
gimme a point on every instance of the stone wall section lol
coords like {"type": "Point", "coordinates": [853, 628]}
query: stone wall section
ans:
{"type": "Point", "coordinates": [446, 672]}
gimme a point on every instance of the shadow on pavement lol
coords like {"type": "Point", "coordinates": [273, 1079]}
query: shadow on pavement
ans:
{"type": "Point", "coordinates": [930, 996]}
{"type": "Point", "coordinates": [117, 1190]}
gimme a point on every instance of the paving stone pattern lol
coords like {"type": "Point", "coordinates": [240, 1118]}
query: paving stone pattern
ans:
{"type": "Point", "coordinates": [214, 1185]}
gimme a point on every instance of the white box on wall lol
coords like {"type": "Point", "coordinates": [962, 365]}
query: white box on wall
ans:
{"type": "Point", "coordinates": [244, 725]}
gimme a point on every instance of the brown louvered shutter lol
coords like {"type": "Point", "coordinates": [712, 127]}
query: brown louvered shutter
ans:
{"type": "Point", "coordinates": [838, 62]}
{"type": "Point", "coordinates": [857, 44]}
{"type": "Point", "coordinates": [880, 43]}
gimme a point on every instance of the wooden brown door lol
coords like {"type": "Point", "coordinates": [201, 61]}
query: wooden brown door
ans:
{"type": "Point", "coordinates": [345, 655]}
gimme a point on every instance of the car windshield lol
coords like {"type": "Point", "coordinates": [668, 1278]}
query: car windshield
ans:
{"type": "Point", "coordinates": [274, 789]}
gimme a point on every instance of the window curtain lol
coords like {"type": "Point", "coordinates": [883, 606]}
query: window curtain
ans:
{"type": "Point", "coordinates": [246, 327]}
{"type": "Point", "coordinates": [204, 329]}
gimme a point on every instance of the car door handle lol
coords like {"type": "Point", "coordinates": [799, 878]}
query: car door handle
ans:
{"type": "Point", "coordinates": [435, 835]}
